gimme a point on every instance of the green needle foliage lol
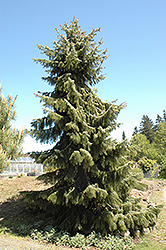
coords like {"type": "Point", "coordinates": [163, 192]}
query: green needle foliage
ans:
{"type": "Point", "coordinates": [10, 139]}
{"type": "Point", "coordinates": [90, 174]}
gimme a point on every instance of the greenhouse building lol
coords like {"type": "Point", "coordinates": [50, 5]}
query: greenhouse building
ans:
{"type": "Point", "coordinates": [24, 165]}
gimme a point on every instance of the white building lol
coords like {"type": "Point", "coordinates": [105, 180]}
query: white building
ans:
{"type": "Point", "coordinates": [22, 166]}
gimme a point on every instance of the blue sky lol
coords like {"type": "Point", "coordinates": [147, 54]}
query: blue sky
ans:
{"type": "Point", "coordinates": [133, 31]}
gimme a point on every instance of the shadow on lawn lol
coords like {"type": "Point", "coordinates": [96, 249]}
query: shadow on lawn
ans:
{"type": "Point", "coordinates": [17, 220]}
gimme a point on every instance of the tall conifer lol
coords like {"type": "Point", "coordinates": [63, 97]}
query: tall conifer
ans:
{"type": "Point", "coordinates": [147, 128]}
{"type": "Point", "coordinates": [90, 175]}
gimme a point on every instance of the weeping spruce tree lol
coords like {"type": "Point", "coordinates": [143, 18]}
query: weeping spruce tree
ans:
{"type": "Point", "coordinates": [89, 172]}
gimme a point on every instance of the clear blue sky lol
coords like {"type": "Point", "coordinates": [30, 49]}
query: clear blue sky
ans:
{"type": "Point", "coordinates": [133, 31]}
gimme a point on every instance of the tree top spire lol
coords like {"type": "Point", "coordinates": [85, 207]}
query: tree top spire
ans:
{"type": "Point", "coordinates": [76, 53]}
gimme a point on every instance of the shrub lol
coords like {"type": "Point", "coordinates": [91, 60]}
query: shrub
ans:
{"type": "Point", "coordinates": [146, 164]}
{"type": "Point", "coordinates": [60, 238]}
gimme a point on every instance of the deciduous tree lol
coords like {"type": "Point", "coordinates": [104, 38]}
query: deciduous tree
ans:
{"type": "Point", "coordinates": [160, 145]}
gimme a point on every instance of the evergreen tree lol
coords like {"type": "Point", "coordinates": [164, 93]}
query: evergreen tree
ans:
{"type": "Point", "coordinates": [123, 135]}
{"type": "Point", "coordinates": [164, 116]}
{"type": "Point", "coordinates": [91, 180]}
{"type": "Point", "coordinates": [147, 128]}
{"type": "Point", "coordinates": [160, 119]}
{"type": "Point", "coordinates": [10, 139]}
{"type": "Point", "coordinates": [135, 131]}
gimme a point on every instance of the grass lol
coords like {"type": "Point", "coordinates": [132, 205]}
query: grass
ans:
{"type": "Point", "coordinates": [15, 220]}
{"type": "Point", "coordinates": [147, 244]}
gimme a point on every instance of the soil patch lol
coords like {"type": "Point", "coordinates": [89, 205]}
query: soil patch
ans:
{"type": "Point", "coordinates": [156, 194]}
{"type": "Point", "coordinates": [14, 214]}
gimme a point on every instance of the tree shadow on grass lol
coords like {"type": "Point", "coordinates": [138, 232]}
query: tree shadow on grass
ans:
{"type": "Point", "coordinates": [17, 220]}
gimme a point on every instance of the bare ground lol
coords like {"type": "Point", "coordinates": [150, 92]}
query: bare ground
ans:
{"type": "Point", "coordinates": [156, 195]}
{"type": "Point", "coordinates": [11, 208]}
{"type": "Point", "coordinates": [13, 213]}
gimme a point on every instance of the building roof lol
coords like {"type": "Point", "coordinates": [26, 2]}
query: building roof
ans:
{"type": "Point", "coordinates": [23, 159]}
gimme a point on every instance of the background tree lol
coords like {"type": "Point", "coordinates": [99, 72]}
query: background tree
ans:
{"type": "Point", "coordinates": [147, 128]}
{"type": "Point", "coordinates": [10, 139]}
{"type": "Point", "coordinates": [123, 135]}
{"type": "Point", "coordinates": [160, 146]}
{"type": "Point", "coordinates": [142, 147]}
{"type": "Point", "coordinates": [146, 152]}
{"type": "Point", "coordinates": [135, 131]}
{"type": "Point", "coordinates": [160, 139]}
{"type": "Point", "coordinates": [160, 119]}
{"type": "Point", "coordinates": [91, 179]}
